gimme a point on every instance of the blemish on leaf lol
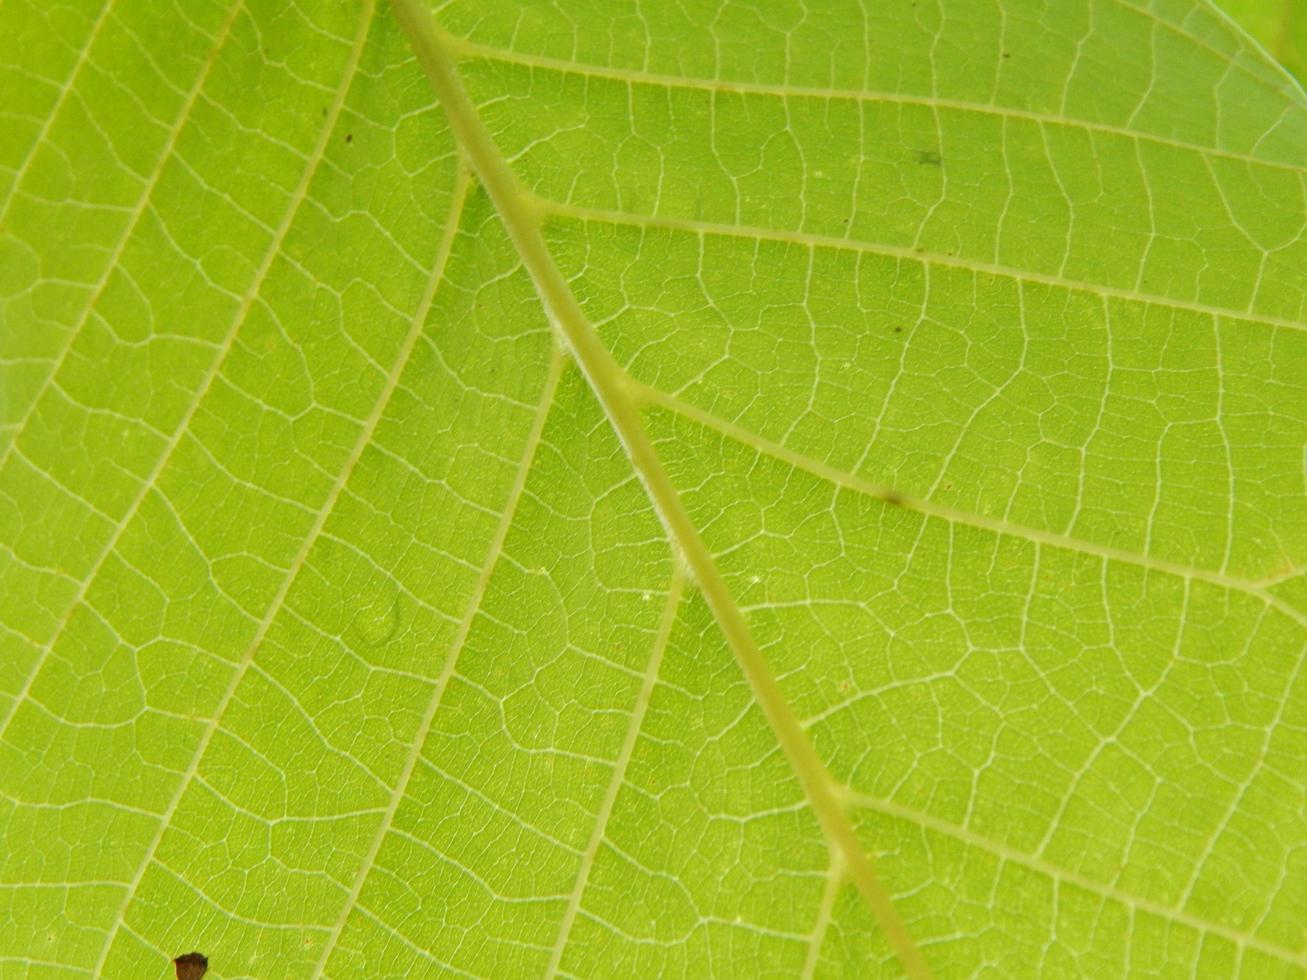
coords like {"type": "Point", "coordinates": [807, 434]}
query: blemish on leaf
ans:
{"type": "Point", "coordinates": [349, 137]}
{"type": "Point", "coordinates": [928, 158]}
{"type": "Point", "coordinates": [376, 613]}
{"type": "Point", "coordinates": [894, 498]}
{"type": "Point", "coordinates": [191, 966]}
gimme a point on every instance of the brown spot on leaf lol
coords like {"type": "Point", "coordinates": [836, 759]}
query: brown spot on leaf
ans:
{"type": "Point", "coordinates": [191, 966]}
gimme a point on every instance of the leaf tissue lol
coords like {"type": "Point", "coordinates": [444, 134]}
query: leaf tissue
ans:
{"type": "Point", "coordinates": [644, 488]}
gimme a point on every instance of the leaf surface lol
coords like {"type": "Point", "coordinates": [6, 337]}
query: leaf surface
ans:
{"type": "Point", "coordinates": [848, 473]}
{"type": "Point", "coordinates": [1280, 26]}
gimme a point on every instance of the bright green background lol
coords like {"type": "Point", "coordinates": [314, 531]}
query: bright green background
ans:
{"type": "Point", "coordinates": [1280, 25]}
{"type": "Point", "coordinates": [340, 638]}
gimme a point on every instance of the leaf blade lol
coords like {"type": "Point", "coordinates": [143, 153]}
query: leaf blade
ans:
{"type": "Point", "coordinates": [1030, 572]}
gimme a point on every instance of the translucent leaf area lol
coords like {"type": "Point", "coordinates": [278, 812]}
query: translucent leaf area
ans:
{"type": "Point", "coordinates": [1281, 27]}
{"type": "Point", "coordinates": [631, 488]}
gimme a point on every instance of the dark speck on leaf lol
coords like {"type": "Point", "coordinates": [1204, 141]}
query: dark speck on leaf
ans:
{"type": "Point", "coordinates": [894, 498]}
{"type": "Point", "coordinates": [191, 966]}
{"type": "Point", "coordinates": [349, 137]}
{"type": "Point", "coordinates": [929, 158]}
{"type": "Point", "coordinates": [1007, 54]}
{"type": "Point", "coordinates": [898, 329]}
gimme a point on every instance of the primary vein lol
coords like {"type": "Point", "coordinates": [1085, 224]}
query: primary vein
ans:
{"type": "Point", "coordinates": [613, 388]}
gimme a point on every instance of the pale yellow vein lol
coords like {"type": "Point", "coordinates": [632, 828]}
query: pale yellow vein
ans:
{"type": "Point", "coordinates": [620, 764]}
{"type": "Point", "coordinates": [834, 242]}
{"type": "Point", "coordinates": [297, 198]}
{"type": "Point", "coordinates": [493, 554]}
{"type": "Point", "coordinates": [636, 76]}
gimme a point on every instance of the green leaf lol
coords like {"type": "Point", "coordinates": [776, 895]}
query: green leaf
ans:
{"type": "Point", "coordinates": [1280, 26]}
{"type": "Point", "coordinates": [649, 488]}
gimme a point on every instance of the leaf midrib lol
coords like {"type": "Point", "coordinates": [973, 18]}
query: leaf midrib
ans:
{"type": "Point", "coordinates": [611, 386]}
